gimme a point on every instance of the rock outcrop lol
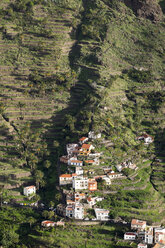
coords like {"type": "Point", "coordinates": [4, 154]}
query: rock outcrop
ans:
{"type": "Point", "coordinates": [149, 9]}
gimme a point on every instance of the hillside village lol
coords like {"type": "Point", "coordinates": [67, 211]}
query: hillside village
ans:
{"type": "Point", "coordinates": [81, 186]}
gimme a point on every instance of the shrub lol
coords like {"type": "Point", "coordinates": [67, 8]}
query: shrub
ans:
{"type": "Point", "coordinates": [140, 76]}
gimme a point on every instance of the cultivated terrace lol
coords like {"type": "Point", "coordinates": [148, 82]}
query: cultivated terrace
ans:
{"type": "Point", "coordinates": [82, 128]}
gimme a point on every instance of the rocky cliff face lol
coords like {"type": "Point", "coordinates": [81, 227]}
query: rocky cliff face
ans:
{"type": "Point", "coordinates": [146, 8]}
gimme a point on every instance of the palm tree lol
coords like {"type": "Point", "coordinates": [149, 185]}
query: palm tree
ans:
{"type": "Point", "coordinates": [39, 178]}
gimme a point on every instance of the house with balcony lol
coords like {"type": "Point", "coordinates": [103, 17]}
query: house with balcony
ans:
{"type": "Point", "coordinates": [80, 183]}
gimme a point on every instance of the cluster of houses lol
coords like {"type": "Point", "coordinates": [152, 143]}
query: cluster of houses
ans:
{"type": "Point", "coordinates": [146, 235]}
{"type": "Point", "coordinates": [78, 200]}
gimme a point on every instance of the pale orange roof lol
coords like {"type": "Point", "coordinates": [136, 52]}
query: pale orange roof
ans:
{"type": "Point", "coordinates": [48, 222]}
{"type": "Point", "coordinates": [74, 175]}
{"type": "Point", "coordinates": [30, 187]}
{"type": "Point", "coordinates": [86, 146]}
{"type": "Point", "coordinates": [89, 161]}
{"type": "Point", "coordinates": [138, 222]}
{"type": "Point", "coordinates": [83, 138]}
{"type": "Point", "coordinates": [76, 161]}
{"type": "Point", "coordinates": [66, 175]}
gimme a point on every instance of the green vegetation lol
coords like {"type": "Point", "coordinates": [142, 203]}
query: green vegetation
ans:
{"type": "Point", "coordinates": [68, 67]}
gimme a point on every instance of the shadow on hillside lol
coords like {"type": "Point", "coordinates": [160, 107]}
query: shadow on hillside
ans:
{"type": "Point", "coordinates": [58, 130]}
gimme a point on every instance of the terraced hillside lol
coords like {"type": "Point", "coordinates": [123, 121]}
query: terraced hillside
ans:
{"type": "Point", "coordinates": [34, 49]}
{"type": "Point", "coordinates": [73, 66]}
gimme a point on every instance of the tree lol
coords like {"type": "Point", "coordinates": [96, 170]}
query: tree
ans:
{"type": "Point", "coordinates": [31, 221]}
{"type": "Point", "coordinates": [47, 164]}
{"type": "Point", "coordinates": [39, 178]}
{"type": "Point", "coordinates": [9, 237]}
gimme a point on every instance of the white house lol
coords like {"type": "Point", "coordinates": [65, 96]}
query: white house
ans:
{"type": "Point", "coordinates": [75, 211]}
{"type": "Point", "coordinates": [48, 223]}
{"type": "Point", "coordinates": [65, 179]}
{"type": "Point", "coordinates": [93, 135]}
{"type": "Point", "coordinates": [129, 236]}
{"type": "Point", "coordinates": [79, 211]}
{"type": "Point", "coordinates": [159, 234]}
{"type": "Point", "coordinates": [102, 214]}
{"type": "Point", "coordinates": [142, 245]}
{"type": "Point", "coordinates": [149, 237]}
{"type": "Point", "coordinates": [114, 175]}
{"type": "Point", "coordinates": [80, 183]}
{"type": "Point", "coordinates": [29, 190]}
{"type": "Point", "coordinates": [138, 224]}
{"type": "Point", "coordinates": [70, 211]}
{"type": "Point", "coordinates": [75, 162]}
{"type": "Point", "coordinates": [147, 138]}
{"type": "Point", "coordinates": [79, 171]}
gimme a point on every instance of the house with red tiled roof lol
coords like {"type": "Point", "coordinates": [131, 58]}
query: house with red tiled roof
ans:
{"type": "Point", "coordinates": [48, 223]}
{"type": "Point", "coordinates": [138, 224]}
{"type": "Point", "coordinates": [83, 140]}
{"type": "Point", "coordinates": [65, 179]}
{"type": "Point", "coordinates": [29, 190]}
{"type": "Point", "coordinates": [86, 149]}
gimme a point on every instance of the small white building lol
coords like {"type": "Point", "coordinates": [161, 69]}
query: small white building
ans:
{"type": "Point", "coordinates": [102, 214]}
{"type": "Point", "coordinates": [70, 211]}
{"type": "Point", "coordinates": [80, 183]}
{"type": "Point", "coordinates": [48, 223]}
{"type": "Point", "coordinates": [142, 245]}
{"type": "Point", "coordinates": [29, 190]}
{"type": "Point", "coordinates": [75, 162]}
{"type": "Point", "coordinates": [65, 179]}
{"type": "Point", "coordinates": [129, 236]}
{"type": "Point", "coordinates": [149, 237]}
{"type": "Point", "coordinates": [79, 171]}
{"type": "Point", "coordinates": [75, 211]}
{"type": "Point", "coordinates": [138, 224]}
{"type": "Point", "coordinates": [147, 138]}
{"type": "Point", "coordinates": [79, 211]}
{"type": "Point", "coordinates": [93, 135]}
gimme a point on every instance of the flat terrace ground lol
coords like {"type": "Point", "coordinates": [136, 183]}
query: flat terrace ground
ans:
{"type": "Point", "coordinates": [85, 236]}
